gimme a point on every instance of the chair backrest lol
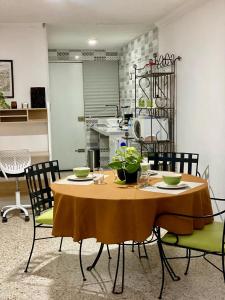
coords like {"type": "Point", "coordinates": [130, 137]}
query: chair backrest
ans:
{"type": "Point", "coordinates": [174, 161]}
{"type": "Point", "coordinates": [14, 162]}
{"type": "Point", "coordinates": [39, 177]}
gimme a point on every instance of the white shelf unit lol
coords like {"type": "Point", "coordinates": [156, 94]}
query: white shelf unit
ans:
{"type": "Point", "coordinates": [25, 128]}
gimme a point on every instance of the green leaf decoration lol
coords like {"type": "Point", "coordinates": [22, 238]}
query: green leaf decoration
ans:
{"type": "Point", "coordinates": [115, 165]}
{"type": "Point", "coordinates": [127, 158]}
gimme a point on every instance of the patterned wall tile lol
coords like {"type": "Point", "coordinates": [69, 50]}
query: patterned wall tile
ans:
{"type": "Point", "coordinates": [137, 51]}
{"type": "Point", "coordinates": [81, 55]}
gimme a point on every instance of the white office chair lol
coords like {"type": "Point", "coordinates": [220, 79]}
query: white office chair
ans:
{"type": "Point", "coordinates": [12, 164]}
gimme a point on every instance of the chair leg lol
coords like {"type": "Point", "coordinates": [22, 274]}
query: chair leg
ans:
{"type": "Point", "coordinates": [31, 251]}
{"type": "Point", "coordinates": [80, 259]}
{"type": "Point", "coordinates": [114, 291]}
{"type": "Point", "coordinates": [164, 261]}
{"type": "Point", "coordinates": [146, 255]}
{"type": "Point", "coordinates": [22, 208]}
{"type": "Point", "coordinates": [60, 246]}
{"type": "Point", "coordinates": [223, 267]}
{"type": "Point", "coordinates": [163, 270]}
{"type": "Point", "coordinates": [14, 207]}
{"type": "Point", "coordinates": [5, 208]}
{"type": "Point", "coordinates": [188, 263]}
{"type": "Point", "coordinates": [171, 272]}
{"type": "Point", "coordinates": [139, 251]}
{"type": "Point", "coordinates": [132, 246]}
{"type": "Point", "coordinates": [18, 201]}
{"type": "Point", "coordinates": [109, 255]}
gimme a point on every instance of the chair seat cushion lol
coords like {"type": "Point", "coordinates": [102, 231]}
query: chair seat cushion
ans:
{"type": "Point", "coordinates": [46, 217]}
{"type": "Point", "coordinates": [209, 238]}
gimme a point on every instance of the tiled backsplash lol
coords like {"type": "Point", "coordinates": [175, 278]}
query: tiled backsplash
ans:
{"type": "Point", "coordinates": [82, 55]}
{"type": "Point", "coordinates": [137, 51]}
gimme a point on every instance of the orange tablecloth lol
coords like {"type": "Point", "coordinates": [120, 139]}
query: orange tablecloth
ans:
{"type": "Point", "coordinates": [114, 213]}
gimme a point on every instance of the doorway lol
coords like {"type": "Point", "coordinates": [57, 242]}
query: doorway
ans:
{"type": "Point", "coordinates": [67, 114]}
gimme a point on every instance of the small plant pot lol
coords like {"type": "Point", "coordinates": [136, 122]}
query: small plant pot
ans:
{"type": "Point", "coordinates": [128, 177]}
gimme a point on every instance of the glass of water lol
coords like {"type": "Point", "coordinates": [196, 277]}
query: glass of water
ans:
{"type": "Point", "coordinates": [98, 176]}
{"type": "Point", "coordinates": [142, 179]}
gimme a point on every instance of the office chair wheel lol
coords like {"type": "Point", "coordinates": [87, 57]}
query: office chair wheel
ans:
{"type": "Point", "coordinates": [4, 219]}
{"type": "Point", "coordinates": [27, 218]}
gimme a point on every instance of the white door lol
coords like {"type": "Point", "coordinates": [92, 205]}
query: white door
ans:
{"type": "Point", "coordinates": [66, 105]}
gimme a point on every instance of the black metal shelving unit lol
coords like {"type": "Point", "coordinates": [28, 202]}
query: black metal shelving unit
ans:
{"type": "Point", "coordinates": [156, 84]}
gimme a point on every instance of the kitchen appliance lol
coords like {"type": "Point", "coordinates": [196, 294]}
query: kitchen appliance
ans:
{"type": "Point", "coordinates": [150, 129]}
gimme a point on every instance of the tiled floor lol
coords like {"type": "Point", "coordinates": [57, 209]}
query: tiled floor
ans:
{"type": "Point", "coordinates": [54, 275]}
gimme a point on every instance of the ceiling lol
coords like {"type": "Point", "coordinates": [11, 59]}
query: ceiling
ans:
{"type": "Point", "coordinates": [70, 23]}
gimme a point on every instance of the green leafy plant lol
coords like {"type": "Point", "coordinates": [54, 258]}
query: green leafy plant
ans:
{"type": "Point", "coordinates": [126, 158]}
{"type": "Point", "coordinates": [3, 104]}
{"type": "Point", "coordinates": [2, 96]}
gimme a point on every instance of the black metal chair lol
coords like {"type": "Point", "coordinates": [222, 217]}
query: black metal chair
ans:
{"type": "Point", "coordinates": [181, 162]}
{"type": "Point", "coordinates": [39, 177]}
{"type": "Point", "coordinates": [170, 161]}
{"type": "Point", "coordinates": [175, 161]}
{"type": "Point", "coordinates": [209, 240]}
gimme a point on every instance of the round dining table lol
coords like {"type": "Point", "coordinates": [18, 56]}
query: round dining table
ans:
{"type": "Point", "coordinates": [114, 213]}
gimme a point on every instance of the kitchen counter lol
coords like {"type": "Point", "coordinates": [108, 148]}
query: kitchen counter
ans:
{"type": "Point", "coordinates": [108, 131]}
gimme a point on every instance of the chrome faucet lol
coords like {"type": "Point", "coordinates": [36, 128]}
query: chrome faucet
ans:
{"type": "Point", "coordinates": [117, 109]}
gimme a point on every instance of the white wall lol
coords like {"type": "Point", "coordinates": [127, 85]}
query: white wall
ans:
{"type": "Point", "coordinates": [26, 45]}
{"type": "Point", "coordinates": [199, 37]}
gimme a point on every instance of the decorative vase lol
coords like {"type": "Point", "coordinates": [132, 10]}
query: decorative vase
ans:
{"type": "Point", "coordinates": [128, 177]}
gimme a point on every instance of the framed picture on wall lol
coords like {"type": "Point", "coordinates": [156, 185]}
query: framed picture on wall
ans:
{"type": "Point", "coordinates": [6, 78]}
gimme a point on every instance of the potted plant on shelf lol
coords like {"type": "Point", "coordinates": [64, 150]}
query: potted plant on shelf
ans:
{"type": "Point", "coordinates": [127, 163]}
{"type": "Point", "coordinates": [3, 104]}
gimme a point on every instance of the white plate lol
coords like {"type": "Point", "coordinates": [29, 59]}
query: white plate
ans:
{"type": "Point", "coordinates": [75, 178]}
{"type": "Point", "coordinates": [163, 185]}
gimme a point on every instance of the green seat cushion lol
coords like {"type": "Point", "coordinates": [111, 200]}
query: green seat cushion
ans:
{"type": "Point", "coordinates": [209, 238]}
{"type": "Point", "coordinates": [46, 217]}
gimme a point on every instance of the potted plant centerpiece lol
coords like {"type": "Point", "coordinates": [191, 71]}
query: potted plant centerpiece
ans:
{"type": "Point", "coordinates": [127, 163]}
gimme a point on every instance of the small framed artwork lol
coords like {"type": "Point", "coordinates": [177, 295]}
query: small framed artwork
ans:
{"type": "Point", "coordinates": [6, 78]}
